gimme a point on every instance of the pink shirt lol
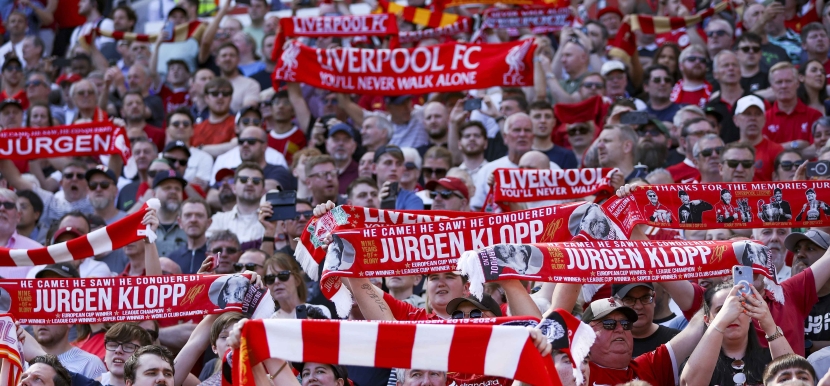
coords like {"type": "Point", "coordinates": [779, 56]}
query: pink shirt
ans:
{"type": "Point", "coordinates": [17, 241]}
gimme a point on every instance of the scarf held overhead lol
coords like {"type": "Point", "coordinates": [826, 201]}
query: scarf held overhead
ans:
{"type": "Point", "coordinates": [463, 25]}
{"type": "Point", "coordinates": [472, 347]}
{"type": "Point", "coordinates": [528, 185]}
{"type": "Point", "coordinates": [419, 16]}
{"type": "Point", "coordinates": [86, 139]}
{"type": "Point", "coordinates": [131, 298]}
{"type": "Point", "coordinates": [404, 71]}
{"type": "Point", "coordinates": [182, 32]}
{"type": "Point", "coordinates": [552, 19]}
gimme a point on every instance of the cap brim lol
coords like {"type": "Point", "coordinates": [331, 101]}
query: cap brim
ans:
{"type": "Point", "coordinates": [182, 180]}
{"type": "Point", "coordinates": [628, 287]}
{"type": "Point", "coordinates": [58, 272]}
{"type": "Point", "coordinates": [452, 306]}
{"type": "Point", "coordinates": [793, 238]}
{"type": "Point", "coordinates": [627, 311]}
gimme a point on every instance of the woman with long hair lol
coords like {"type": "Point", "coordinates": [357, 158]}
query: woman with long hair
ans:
{"type": "Point", "coordinates": [785, 165]}
{"type": "Point", "coordinates": [729, 352]}
{"type": "Point", "coordinates": [669, 55]}
{"type": "Point", "coordinates": [39, 115]}
{"type": "Point", "coordinates": [813, 87]}
{"type": "Point", "coordinates": [284, 280]}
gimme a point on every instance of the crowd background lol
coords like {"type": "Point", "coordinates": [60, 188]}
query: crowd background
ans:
{"type": "Point", "coordinates": [740, 97]}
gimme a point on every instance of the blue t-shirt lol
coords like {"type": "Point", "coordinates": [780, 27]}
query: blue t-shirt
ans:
{"type": "Point", "coordinates": [667, 114]}
{"type": "Point", "coordinates": [565, 158]}
{"type": "Point", "coordinates": [408, 200]}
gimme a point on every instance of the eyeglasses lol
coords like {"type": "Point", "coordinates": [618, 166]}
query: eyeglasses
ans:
{"type": "Point", "coordinates": [578, 130]}
{"type": "Point", "coordinates": [85, 92]}
{"type": "Point", "coordinates": [788, 165]}
{"type": "Point", "coordinates": [251, 121]}
{"type": "Point", "coordinates": [248, 266]}
{"type": "Point", "coordinates": [410, 165]}
{"type": "Point", "coordinates": [699, 134]}
{"type": "Point", "coordinates": [474, 314]}
{"type": "Point", "coordinates": [154, 334]}
{"type": "Point", "coordinates": [330, 101]}
{"type": "Point", "coordinates": [733, 163]}
{"type": "Point", "coordinates": [283, 276]}
{"type": "Point", "coordinates": [103, 184]}
{"type": "Point", "coordinates": [752, 49]}
{"type": "Point", "coordinates": [593, 85]}
{"type": "Point", "coordinates": [74, 176]}
{"type": "Point", "coordinates": [661, 80]}
{"type": "Point", "coordinates": [717, 32]}
{"type": "Point", "coordinates": [652, 132]}
{"type": "Point", "coordinates": [174, 161]}
{"type": "Point", "coordinates": [217, 94]}
{"type": "Point", "coordinates": [611, 324]}
{"type": "Point", "coordinates": [300, 215]}
{"type": "Point", "coordinates": [629, 301]}
{"type": "Point", "coordinates": [180, 124]}
{"type": "Point", "coordinates": [8, 205]}
{"type": "Point", "coordinates": [244, 180]}
{"type": "Point", "coordinates": [13, 68]}
{"type": "Point", "coordinates": [225, 250]}
{"type": "Point", "coordinates": [437, 172]}
{"type": "Point", "coordinates": [445, 194]}
{"type": "Point", "coordinates": [112, 345]}
{"type": "Point", "coordinates": [708, 152]}
{"type": "Point", "coordinates": [35, 83]}
{"type": "Point", "coordinates": [324, 175]}
{"type": "Point", "coordinates": [250, 141]}
{"type": "Point", "coordinates": [698, 59]}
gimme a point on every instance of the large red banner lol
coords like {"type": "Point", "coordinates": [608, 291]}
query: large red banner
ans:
{"type": "Point", "coordinates": [86, 139]}
{"type": "Point", "coordinates": [404, 71]}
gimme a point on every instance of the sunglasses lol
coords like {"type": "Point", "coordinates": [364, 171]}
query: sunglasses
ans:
{"type": "Point", "coordinates": [180, 124]}
{"type": "Point", "coordinates": [752, 49]}
{"type": "Point", "coordinates": [578, 130]}
{"type": "Point", "coordinates": [225, 250]}
{"type": "Point", "coordinates": [283, 276]}
{"type": "Point", "coordinates": [85, 92]}
{"type": "Point", "coordinates": [217, 94]}
{"type": "Point", "coordinates": [593, 85]}
{"type": "Point", "coordinates": [112, 345]}
{"type": "Point", "coordinates": [250, 141]}
{"type": "Point", "coordinates": [652, 132]}
{"type": "Point", "coordinates": [244, 180]}
{"type": "Point", "coordinates": [103, 184]}
{"type": "Point", "coordinates": [174, 161]}
{"type": "Point", "coordinates": [152, 173]}
{"type": "Point", "coordinates": [717, 32]}
{"type": "Point", "coordinates": [438, 172]}
{"type": "Point", "coordinates": [301, 215]}
{"type": "Point", "coordinates": [661, 80]}
{"type": "Point", "coordinates": [708, 152]}
{"type": "Point", "coordinates": [789, 165]}
{"type": "Point", "coordinates": [251, 121]}
{"type": "Point", "coordinates": [445, 194]}
{"type": "Point", "coordinates": [13, 68]}
{"type": "Point", "coordinates": [248, 266]}
{"type": "Point", "coordinates": [611, 324]}
{"type": "Point", "coordinates": [474, 314]}
{"type": "Point", "coordinates": [698, 59]}
{"type": "Point", "coordinates": [410, 166]}
{"type": "Point", "coordinates": [733, 163]}
{"type": "Point", "coordinates": [8, 205]}
{"type": "Point", "coordinates": [35, 83]}
{"type": "Point", "coordinates": [74, 176]}
{"type": "Point", "coordinates": [154, 334]}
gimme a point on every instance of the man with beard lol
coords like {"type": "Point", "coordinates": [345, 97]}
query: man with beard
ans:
{"type": "Point", "coordinates": [227, 59]}
{"type": "Point", "coordinates": [436, 121]}
{"type": "Point", "coordinates": [691, 212]}
{"type": "Point", "coordinates": [103, 199]}
{"type": "Point", "coordinates": [215, 133]}
{"type": "Point", "coordinates": [690, 133]}
{"type": "Point", "coordinates": [472, 143]}
{"type": "Point", "coordinates": [194, 220]}
{"type": "Point", "coordinates": [9, 238]}
{"type": "Point", "coordinates": [777, 210]}
{"type": "Point", "coordinates": [168, 187]}
{"type": "Point", "coordinates": [283, 135]}
{"type": "Point", "coordinates": [133, 113]}
{"type": "Point", "coordinates": [242, 220]}
{"type": "Point", "coordinates": [363, 191]}
{"type": "Point", "coordinates": [224, 244]}
{"type": "Point", "coordinates": [653, 144]}
{"type": "Point", "coordinates": [132, 194]}
{"type": "Point", "coordinates": [541, 114]}
{"type": "Point", "coordinates": [774, 238]}
{"type": "Point", "coordinates": [321, 180]}
{"type": "Point", "coordinates": [749, 117]}
{"type": "Point", "coordinates": [252, 149]}
{"type": "Point", "coordinates": [789, 119]}
{"type": "Point", "coordinates": [252, 146]}
{"type": "Point", "coordinates": [693, 89]}
{"type": "Point", "coordinates": [617, 148]}
{"type": "Point", "coordinates": [341, 145]}
{"type": "Point", "coordinates": [658, 84]}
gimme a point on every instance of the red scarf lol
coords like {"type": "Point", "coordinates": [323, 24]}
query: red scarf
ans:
{"type": "Point", "coordinates": [420, 16]}
{"type": "Point", "coordinates": [463, 25]}
{"type": "Point", "coordinates": [533, 185]}
{"type": "Point", "coordinates": [86, 139]}
{"type": "Point", "coordinates": [182, 32]}
{"type": "Point", "coordinates": [11, 360]}
{"type": "Point", "coordinates": [551, 19]}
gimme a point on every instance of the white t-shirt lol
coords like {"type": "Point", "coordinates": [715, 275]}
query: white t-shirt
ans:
{"type": "Point", "coordinates": [106, 24]}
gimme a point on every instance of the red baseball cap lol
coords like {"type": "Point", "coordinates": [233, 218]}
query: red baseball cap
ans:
{"type": "Point", "coordinates": [451, 183]}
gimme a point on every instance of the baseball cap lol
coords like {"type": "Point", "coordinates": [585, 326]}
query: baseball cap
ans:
{"type": "Point", "coordinates": [610, 66]}
{"type": "Point", "coordinates": [485, 304]}
{"type": "Point", "coordinates": [100, 169]}
{"type": "Point", "coordinates": [67, 78]}
{"type": "Point", "coordinates": [398, 100]}
{"type": "Point", "coordinates": [393, 150]}
{"type": "Point", "coordinates": [652, 120]}
{"type": "Point", "coordinates": [746, 102]}
{"type": "Point", "coordinates": [62, 270]}
{"type": "Point", "coordinates": [11, 101]}
{"type": "Point", "coordinates": [177, 8]}
{"type": "Point", "coordinates": [344, 127]}
{"type": "Point", "coordinates": [164, 175]}
{"type": "Point", "coordinates": [609, 10]}
{"type": "Point", "coordinates": [620, 290]}
{"type": "Point", "coordinates": [818, 237]}
{"type": "Point", "coordinates": [245, 111]}
{"type": "Point", "coordinates": [601, 308]}
{"type": "Point", "coordinates": [223, 173]}
{"type": "Point", "coordinates": [11, 59]}
{"type": "Point", "coordinates": [66, 231]}
{"type": "Point", "coordinates": [451, 183]}
{"type": "Point", "coordinates": [177, 145]}
{"type": "Point", "coordinates": [709, 110]}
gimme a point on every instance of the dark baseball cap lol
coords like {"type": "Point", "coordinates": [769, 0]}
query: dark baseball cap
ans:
{"type": "Point", "coordinates": [393, 150]}
{"type": "Point", "coordinates": [485, 304]}
{"type": "Point", "coordinates": [11, 59]}
{"type": "Point", "coordinates": [164, 175]}
{"type": "Point", "coordinates": [177, 145]}
{"type": "Point", "coordinates": [11, 101]}
{"type": "Point", "coordinates": [398, 100]}
{"type": "Point", "coordinates": [65, 270]}
{"type": "Point", "coordinates": [177, 8]}
{"type": "Point", "coordinates": [601, 308]}
{"type": "Point", "coordinates": [620, 290]}
{"type": "Point", "coordinates": [342, 127]}
{"type": "Point", "coordinates": [818, 237]}
{"type": "Point", "coordinates": [100, 169]}
{"type": "Point", "coordinates": [652, 120]}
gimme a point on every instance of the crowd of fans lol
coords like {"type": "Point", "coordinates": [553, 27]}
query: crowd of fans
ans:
{"type": "Point", "coordinates": [740, 97]}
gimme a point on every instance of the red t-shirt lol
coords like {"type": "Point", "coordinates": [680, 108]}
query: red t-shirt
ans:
{"type": "Point", "coordinates": [656, 368]}
{"type": "Point", "coordinates": [207, 133]}
{"type": "Point", "coordinates": [679, 36]}
{"type": "Point", "coordinates": [765, 153]}
{"type": "Point", "coordinates": [20, 95]}
{"type": "Point", "coordinates": [699, 96]}
{"type": "Point", "coordinates": [174, 98]}
{"type": "Point", "coordinates": [156, 135]}
{"type": "Point", "coordinates": [806, 15]}
{"type": "Point", "coordinates": [66, 15]}
{"type": "Point", "coordinates": [405, 311]}
{"type": "Point", "coordinates": [287, 143]}
{"type": "Point", "coordinates": [799, 298]}
{"type": "Point", "coordinates": [782, 127]}
{"type": "Point", "coordinates": [683, 172]}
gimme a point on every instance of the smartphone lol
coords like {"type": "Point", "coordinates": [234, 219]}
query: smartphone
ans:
{"type": "Point", "coordinates": [168, 31]}
{"type": "Point", "coordinates": [61, 62]}
{"type": "Point", "coordinates": [284, 205]}
{"type": "Point", "coordinates": [472, 104]}
{"type": "Point", "coordinates": [818, 169]}
{"type": "Point", "coordinates": [214, 261]}
{"type": "Point", "coordinates": [742, 275]}
{"type": "Point", "coordinates": [389, 201]}
{"type": "Point", "coordinates": [302, 312]}
{"type": "Point", "coordinates": [634, 118]}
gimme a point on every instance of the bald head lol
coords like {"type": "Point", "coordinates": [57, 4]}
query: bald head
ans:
{"type": "Point", "coordinates": [169, 267]}
{"type": "Point", "coordinates": [436, 120]}
{"type": "Point", "coordinates": [534, 160]}
{"type": "Point", "coordinates": [254, 132]}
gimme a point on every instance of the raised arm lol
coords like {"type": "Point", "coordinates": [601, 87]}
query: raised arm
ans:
{"type": "Point", "coordinates": [457, 118]}
{"type": "Point", "coordinates": [369, 298]}
{"type": "Point", "coordinates": [519, 300]}
{"type": "Point", "coordinates": [210, 32]}
{"type": "Point", "coordinates": [12, 176]}
{"type": "Point", "coordinates": [354, 111]}
{"type": "Point", "coordinates": [301, 111]}
{"type": "Point", "coordinates": [192, 351]}
{"type": "Point", "coordinates": [152, 264]}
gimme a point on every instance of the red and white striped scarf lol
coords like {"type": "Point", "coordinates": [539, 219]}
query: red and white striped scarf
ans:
{"type": "Point", "coordinates": [11, 362]}
{"type": "Point", "coordinates": [104, 240]}
{"type": "Point", "coordinates": [501, 351]}
{"type": "Point", "coordinates": [182, 32]}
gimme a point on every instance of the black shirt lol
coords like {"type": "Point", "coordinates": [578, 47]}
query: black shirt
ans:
{"type": "Point", "coordinates": [127, 196]}
{"type": "Point", "coordinates": [189, 260]}
{"type": "Point", "coordinates": [667, 114]}
{"type": "Point", "coordinates": [565, 158]}
{"type": "Point", "coordinates": [756, 82]}
{"type": "Point", "coordinates": [281, 175]}
{"type": "Point", "coordinates": [263, 78]}
{"type": "Point", "coordinates": [645, 345]}
{"type": "Point", "coordinates": [817, 324]}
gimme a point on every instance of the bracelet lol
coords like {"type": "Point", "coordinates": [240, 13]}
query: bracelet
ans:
{"type": "Point", "coordinates": [272, 376]}
{"type": "Point", "coordinates": [717, 329]}
{"type": "Point", "coordinates": [778, 333]}
{"type": "Point", "coordinates": [267, 239]}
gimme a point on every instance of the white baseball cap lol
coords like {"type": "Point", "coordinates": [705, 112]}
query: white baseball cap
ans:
{"type": "Point", "coordinates": [610, 66]}
{"type": "Point", "coordinates": [746, 102]}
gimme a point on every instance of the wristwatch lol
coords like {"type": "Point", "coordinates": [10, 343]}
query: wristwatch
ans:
{"type": "Point", "coordinates": [778, 333]}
